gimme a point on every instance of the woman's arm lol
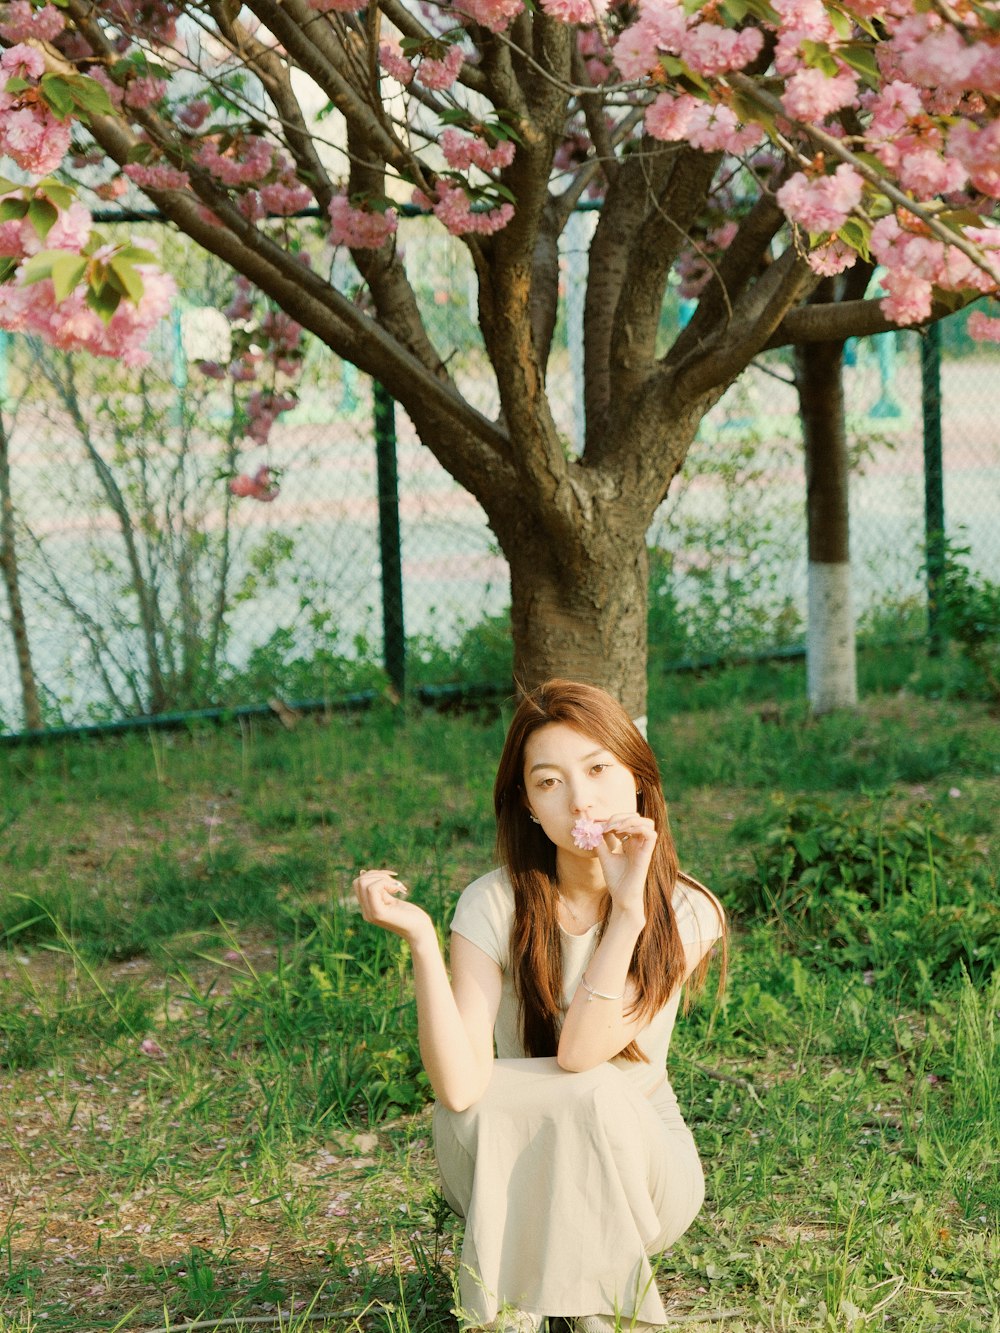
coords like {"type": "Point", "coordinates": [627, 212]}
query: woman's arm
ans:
{"type": "Point", "coordinates": [454, 1019]}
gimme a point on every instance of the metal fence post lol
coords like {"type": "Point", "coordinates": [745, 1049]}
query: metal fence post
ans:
{"type": "Point", "coordinates": [934, 529]}
{"type": "Point", "coordinates": [393, 631]}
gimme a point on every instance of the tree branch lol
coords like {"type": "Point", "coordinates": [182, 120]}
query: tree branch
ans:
{"type": "Point", "coordinates": [786, 282]}
{"type": "Point", "coordinates": [836, 321]}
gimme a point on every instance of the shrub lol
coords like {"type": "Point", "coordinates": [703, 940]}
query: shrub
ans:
{"type": "Point", "coordinates": [895, 893]}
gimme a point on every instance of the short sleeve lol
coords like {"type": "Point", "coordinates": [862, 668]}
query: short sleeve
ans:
{"type": "Point", "coordinates": [700, 915]}
{"type": "Point", "coordinates": [484, 915]}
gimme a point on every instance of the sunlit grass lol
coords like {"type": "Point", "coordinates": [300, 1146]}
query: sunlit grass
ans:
{"type": "Point", "coordinates": [211, 1100]}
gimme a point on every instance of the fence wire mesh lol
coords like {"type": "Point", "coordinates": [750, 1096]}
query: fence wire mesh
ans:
{"type": "Point", "coordinates": [148, 588]}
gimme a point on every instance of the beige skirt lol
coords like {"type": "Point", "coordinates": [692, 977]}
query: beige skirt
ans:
{"type": "Point", "coordinates": [568, 1183]}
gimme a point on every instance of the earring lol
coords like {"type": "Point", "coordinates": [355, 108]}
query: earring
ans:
{"type": "Point", "coordinates": [534, 818]}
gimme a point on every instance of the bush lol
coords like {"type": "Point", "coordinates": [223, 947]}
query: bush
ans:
{"type": "Point", "coordinates": [896, 894]}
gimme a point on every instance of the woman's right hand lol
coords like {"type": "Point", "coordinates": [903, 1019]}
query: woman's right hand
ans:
{"type": "Point", "coordinates": [383, 902]}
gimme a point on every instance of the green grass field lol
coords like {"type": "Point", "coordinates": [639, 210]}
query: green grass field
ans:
{"type": "Point", "coordinates": [212, 1110]}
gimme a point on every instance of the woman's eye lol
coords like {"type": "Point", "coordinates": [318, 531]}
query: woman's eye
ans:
{"type": "Point", "coordinates": [546, 783]}
{"type": "Point", "coordinates": [599, 768]}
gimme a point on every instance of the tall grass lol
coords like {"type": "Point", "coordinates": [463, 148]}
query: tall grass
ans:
{"type": "Point", "coordinates": [212, 1100]}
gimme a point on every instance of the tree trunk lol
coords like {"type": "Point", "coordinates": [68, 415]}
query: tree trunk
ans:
{"type": "Point", "coordinates": [8, 564]}
{"type": "Point", "coordinates": [583, 616]}
{"type": "Point", "coordinates": [831, 658]}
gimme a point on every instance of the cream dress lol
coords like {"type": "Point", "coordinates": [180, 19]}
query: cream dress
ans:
{"type": "Point", "coordinates": [568, 1183]}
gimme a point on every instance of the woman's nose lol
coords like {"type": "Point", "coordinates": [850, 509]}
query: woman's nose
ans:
{"type": "Point", "coordinates": [580, 802]}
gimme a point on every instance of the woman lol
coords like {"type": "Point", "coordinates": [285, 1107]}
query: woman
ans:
{"type": "Point", "coordinates": [566, 1153]}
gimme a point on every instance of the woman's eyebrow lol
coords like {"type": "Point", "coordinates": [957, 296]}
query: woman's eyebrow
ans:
{"type": "Point", "coordinates": [545, 763]}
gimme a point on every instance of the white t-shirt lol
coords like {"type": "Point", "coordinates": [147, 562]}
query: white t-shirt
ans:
{"type": "Point", "coordinates": [484, 915]}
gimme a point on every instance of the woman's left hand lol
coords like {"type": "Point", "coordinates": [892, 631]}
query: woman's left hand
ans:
{"type": "Point", "coordinates": [624, 854]}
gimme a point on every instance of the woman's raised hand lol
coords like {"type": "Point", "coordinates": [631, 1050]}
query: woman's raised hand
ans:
{"type": "Point", "coordinates": [383, 902]}
{"type": "Point", "coordinates": [624, 853]}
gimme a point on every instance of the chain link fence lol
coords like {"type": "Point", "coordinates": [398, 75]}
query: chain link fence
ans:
{"type": "Point", "coordinates": [147, 588]}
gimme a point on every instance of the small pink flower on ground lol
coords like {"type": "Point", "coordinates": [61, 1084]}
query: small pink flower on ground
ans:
{"type": "Point", "coordinates": [152, 1048]}
{"type": "Point", "coordinates": [588, 834]}
{"type": "Point", "coordinates": [232, 956]}
{"type": "Point", "coordinates": [954, 792]}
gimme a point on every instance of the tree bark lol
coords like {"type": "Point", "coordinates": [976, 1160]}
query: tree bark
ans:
{"type": "Point", "coordinates": [8, 563]}
{"type": "Point", "coordinates": [586, 619]}
{"type": "Point", "coordinates": [831, 658]}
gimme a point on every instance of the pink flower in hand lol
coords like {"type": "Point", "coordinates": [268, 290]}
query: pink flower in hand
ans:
{"type": "Point", "coordinates": [588, 834]}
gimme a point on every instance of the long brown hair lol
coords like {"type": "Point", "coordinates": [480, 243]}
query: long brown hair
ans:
{"type": "Point", "coordinates": [529, 858]}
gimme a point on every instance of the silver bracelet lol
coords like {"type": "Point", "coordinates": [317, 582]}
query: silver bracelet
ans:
{"type": "Point", "coordinates": [597, 994]}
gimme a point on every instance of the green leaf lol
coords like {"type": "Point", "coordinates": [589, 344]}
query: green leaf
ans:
{"type": "Point", "coordinates": [12, 210]}
{"type": "Point", "coordinates": [104, 300]}
{"type": "Point", "coordinates": [41, 215]}
{"type": "Point", "coordinates": [56, 92]}
{"type": "Point", "coordinates": [129, 278]}
{"type": "Point", "coordinates": [39, 267]}
{"type": "Point", "coordinates": [67, 271]}
{"type": "Point", "coordinates": [60, 195]}
{"type": "Point", "coordinates": [15, 84]}
{"type": "Point", "coordinates": [862, 59]}
{"type": "Point", "coordinates": [8, 187]}
{"type": "Point", "coordinates": [134, 254]}
{"type": "Point", "coordinates": [91, 97]}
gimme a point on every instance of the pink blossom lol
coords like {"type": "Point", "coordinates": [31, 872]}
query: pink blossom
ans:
{"type": "Point", "coordinates": [26, 62]}
{"type": "Point", "coordinates": [492, 14]}
{"type": "Point", "coordinates": [194, 114]}
{"type": "Point", "coordinates": [360, 228]}
{"type": "Point", "coordinates": [462, 151]}
{"type": "Point", "coordinates": [983, 327]}
{"type": "Point", "coordinates": [660, 29]}
{"type": "Point", "coordinates": [286, 199]}
{"type": "Point", "coordinates": [212, 369]}
{"type": "Point", "coordinates": [263, 409]}
{"type": "Point", "coordinates": [705, 125]}
{"type": "Point", "coordinates": [245, 161]}
{"type": "Point", "coordinates": [151, 1048]}
{"type": "Point", "coordinates": [926, 173]}
{"type": "Point", "coordinates": [454, 210]}
{"type": "Point", "coordinates": [810, 95]}
{"type": "Point", "coordinates": [712, 50]}
{"type": "Point", "coordinates": [392, 60]}
{"type": "Point", "coordinates": [440, 74]}
{"type": "Point", "coordinates": [144, 91]}
{"type": "Point", "coordinates": [833, 256]}
{"type": "Point", "coordinates": [588, 834]}
{"type": "Point", "coordinates": [907, 299]}
{"type": "Point", "coordinates": [822, 203]}
{"type": "Point", "coordinates": [161, 176]}
{"type": "Point", "coordinates": [336, 6]}
{"type": "Point", "coordinates": [21, 23]}
{"type": "Point", "coordinates": [71, 229]}
{"type": "Point", "coordinates": [18, 239]}
{"type": "Point", "coordinates": [979, 152]}
{"type": "Point", "coordinates": [575, 11]}
{"type": "Point", "coordinates": [34, 138]}
{"type": "Point", "coordinates": [261, 486]}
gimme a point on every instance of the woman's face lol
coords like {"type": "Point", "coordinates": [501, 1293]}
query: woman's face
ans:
{"type": "Point", "coordinates": [568, 775]}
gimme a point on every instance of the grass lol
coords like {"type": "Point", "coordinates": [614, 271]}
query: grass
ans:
{"type": "Point", "coordinates": [212, 1103]}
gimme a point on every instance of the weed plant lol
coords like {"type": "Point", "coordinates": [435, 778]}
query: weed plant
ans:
{"type": "Point", "coordinates": [212, 1101]}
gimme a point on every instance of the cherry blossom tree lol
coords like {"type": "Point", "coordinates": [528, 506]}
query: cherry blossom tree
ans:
{"type": "Point", "coordinates": [751, 150]}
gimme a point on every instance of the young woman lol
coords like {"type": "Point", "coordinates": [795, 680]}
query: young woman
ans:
{"type": "Point", "coordinates": [565, 1151]}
